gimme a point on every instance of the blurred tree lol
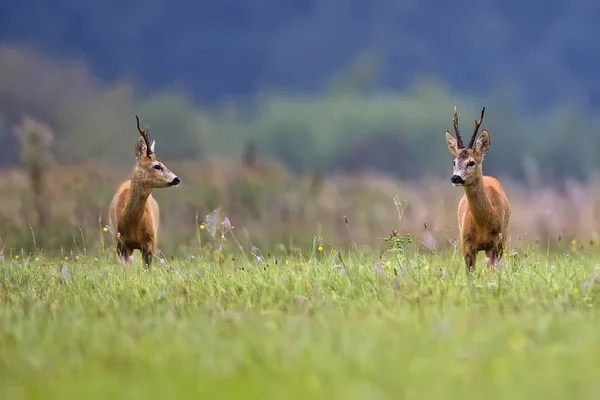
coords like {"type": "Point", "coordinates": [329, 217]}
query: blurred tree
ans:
{"type": "Point", "coordinates": [235, 47]}
{"type": "Point", "coordinates": [356, 126]}
{"type": "Point", "coordinates": [35, 139]}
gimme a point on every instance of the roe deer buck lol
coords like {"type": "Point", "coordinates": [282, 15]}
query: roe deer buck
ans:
{"type": "Point", "coordinates": [134, 213]}
{"type": "Point", "coordinates": [484, 210]}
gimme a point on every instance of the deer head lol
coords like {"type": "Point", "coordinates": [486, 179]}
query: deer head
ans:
{"type": "Point", "coordinates": [149, 170]}
{"type": "Point", "coordinates": [468, 160]}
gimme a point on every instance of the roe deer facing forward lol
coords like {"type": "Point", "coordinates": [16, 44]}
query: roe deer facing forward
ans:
{"type": "Point", "coordinates": [134, 213]}
{"type": "Point", "coordinates": [484, 210]}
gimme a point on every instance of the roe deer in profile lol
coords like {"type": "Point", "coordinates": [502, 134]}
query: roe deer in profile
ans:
{"type": "Point", "coordinates": [484, 210]}
{"type": "Point", "coordinates": [134, 213]}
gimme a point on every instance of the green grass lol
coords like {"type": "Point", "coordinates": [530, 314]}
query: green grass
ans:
{"type": "Point", "coordinates": [322, 327]}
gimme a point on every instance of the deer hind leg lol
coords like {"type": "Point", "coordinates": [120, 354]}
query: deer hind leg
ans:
{"type": "Point", "coordinates": [502, 245]}
{"type": "Point", "coordinates": [500, 251]}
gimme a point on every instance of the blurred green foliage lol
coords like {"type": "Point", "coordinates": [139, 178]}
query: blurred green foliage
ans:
{"type": "Point", "coordinates": [350, 127]}
{"type": "Point", "coordinates": [226, 48]}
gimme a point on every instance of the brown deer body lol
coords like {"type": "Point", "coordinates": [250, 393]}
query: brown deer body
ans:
{"type": "Point", "coordinates": [134, 214]}
{"type": "Point", "coordinates": [484, 210]}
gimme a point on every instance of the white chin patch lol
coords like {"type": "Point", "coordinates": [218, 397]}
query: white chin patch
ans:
{"type": "Point", "coordinates": [458, 184]}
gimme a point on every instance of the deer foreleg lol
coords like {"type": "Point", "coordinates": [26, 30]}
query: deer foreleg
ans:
{"type": "Point", "coordinates": [125, 253]}
{"type": "Point", "coordinates": [492, 257]}
{"type": "Point", "coordinates": [470, 258]}
{"type": "Point", "coordinates": [469, 255]}
{"type": "Point", "coordinates": [148, 255]}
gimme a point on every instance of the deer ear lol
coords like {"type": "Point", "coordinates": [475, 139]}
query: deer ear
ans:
{"type": "Point", "coordinates": [140, 148]}
{"type": "Point", "coordinates": [452, 144]}
{"type": "Point", "coordinates": [152, 146]}
{"type": "Point", "coordinates": [483, 142]}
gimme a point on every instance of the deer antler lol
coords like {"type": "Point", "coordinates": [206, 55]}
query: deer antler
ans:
{"type": "Point", "coordinates": [477, 125]}
{"type": "Point", "coordinates": [144, 133]}
{"type": "Point", "coordinates": [461, 145]}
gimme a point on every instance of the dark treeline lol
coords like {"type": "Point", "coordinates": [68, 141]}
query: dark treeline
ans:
{"type": "Point", "coordinates": [322, 85]}
{"type": "Point", "coordinates": [238, 47]}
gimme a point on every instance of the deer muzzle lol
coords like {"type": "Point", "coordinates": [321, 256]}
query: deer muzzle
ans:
{"type": "Point", "coordinates": [457, 180]}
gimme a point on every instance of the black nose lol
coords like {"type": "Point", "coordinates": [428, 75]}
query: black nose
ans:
{"type": "Point", "coordinates": [457, 179]}
{"type": "Point", "coordinates": [175, 181]}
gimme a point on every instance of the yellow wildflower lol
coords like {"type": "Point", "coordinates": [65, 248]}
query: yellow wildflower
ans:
{"type": "Point", "coordinates": [105, 229]}
{"type": "Point", "coordinates": [320, 248]}
{"type": "Point", "coordinates": [202, 227]}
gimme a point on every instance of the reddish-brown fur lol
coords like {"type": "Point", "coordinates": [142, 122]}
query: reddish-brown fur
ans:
{"type": "Point", "coordinates": [484, 210]}
{"type": "Point", "coordinates": [134, 214]}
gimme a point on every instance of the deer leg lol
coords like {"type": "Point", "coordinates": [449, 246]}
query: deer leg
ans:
{"type": "Point", "coordinates": [147, 255]}
{"type": "Point", "coordinates": [501, 246]}
{"type": "Point", "coordinates": [469, 255]}
{"type": "Point", "coordinates": [470, 259]}
{"type": "Point", "coordinates": [125, 253]}
{"type": "Point", "coordinates": [492, 257]}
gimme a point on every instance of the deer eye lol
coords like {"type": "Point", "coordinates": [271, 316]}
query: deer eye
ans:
{"type": "Point", "coordinates": [471, 163]}
{"type": "Point", "coordinates": [158, 167]}
{"type": "Point", "coordinates": [453, 163]}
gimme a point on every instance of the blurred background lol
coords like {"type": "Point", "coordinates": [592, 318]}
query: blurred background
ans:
{"type": "Point", "coordinates": [288, 115]}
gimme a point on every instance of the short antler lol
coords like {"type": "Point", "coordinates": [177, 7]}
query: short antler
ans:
{"type": "Point", "coordinates": [144, 133]}
{"type": "Point", "coordinates": [477, 125]}
{"type": "Point", "coordinates": [461, 145]}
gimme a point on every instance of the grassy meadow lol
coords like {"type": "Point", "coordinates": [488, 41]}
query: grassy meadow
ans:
{"type": "Point", "coordinates": [328, 324]}
{"type": "Point", "coordinates": [270, 285]}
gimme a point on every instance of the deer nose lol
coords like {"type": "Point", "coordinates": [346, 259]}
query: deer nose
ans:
{"type": "Point", "coordinates": [457, 180]}
{"type": "Point", "coordinates": [175, 181]}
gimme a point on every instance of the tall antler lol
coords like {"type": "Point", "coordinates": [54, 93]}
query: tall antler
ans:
{"type": "Point", "coordinates": [461, 145]}
{"type": "Point", "coordinates": [477, 125]}
{"type": "Point", "coordinates": [144, 133]}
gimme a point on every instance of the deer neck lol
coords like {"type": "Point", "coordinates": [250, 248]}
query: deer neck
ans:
{"type": "Point", "coordinates": [136, 203]}
{"type": "Point", "coordinates": [479, 202]}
